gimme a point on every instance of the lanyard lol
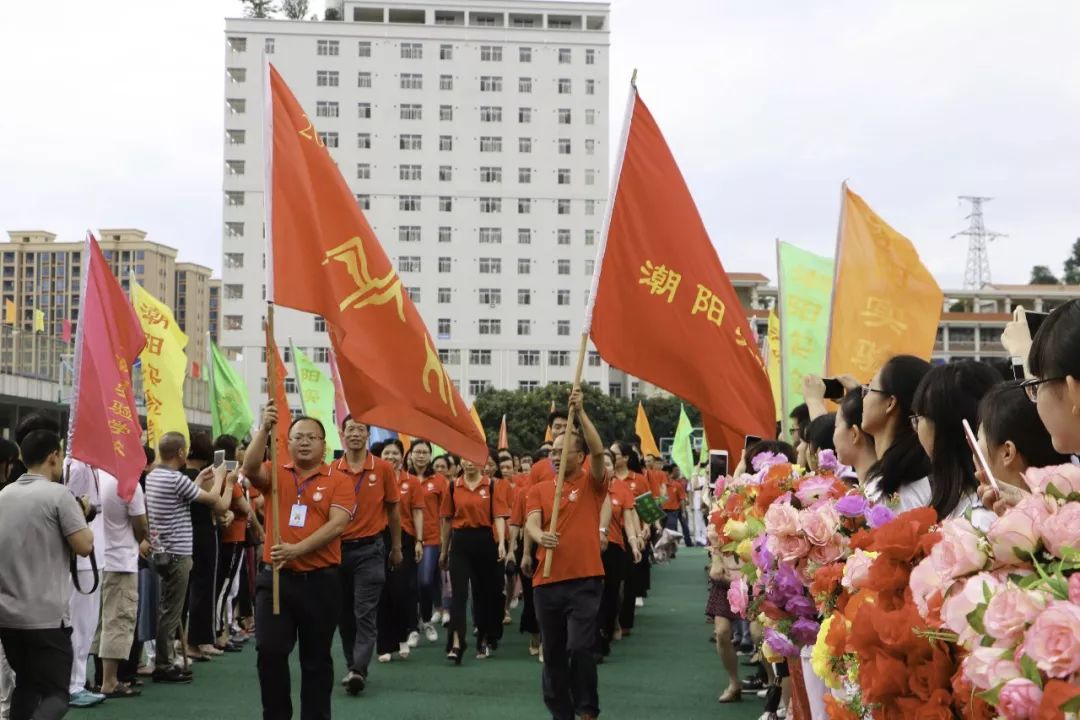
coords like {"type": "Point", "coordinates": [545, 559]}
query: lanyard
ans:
{"type": "Point", "coordinates": [363, 469]}
{"type": "Point", "coordinates": [301, 486]}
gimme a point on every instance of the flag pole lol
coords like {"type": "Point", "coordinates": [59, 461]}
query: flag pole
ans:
{"type": "Point", "coordinates": [836, 270]}
{"type": "Point", "coordinates": [583, 346]}
{"type": "Point", "coordinates": [275, 512]}
{"type": "Point", "coordinates": [784, 381]}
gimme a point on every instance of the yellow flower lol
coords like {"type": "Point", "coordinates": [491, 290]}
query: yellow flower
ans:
{"type": "Point", "coordinates": [821, 659]}
{"type": "Point", "coordinates": [736, 530]}
{"type": "Point", "coordinates": [745, 549]}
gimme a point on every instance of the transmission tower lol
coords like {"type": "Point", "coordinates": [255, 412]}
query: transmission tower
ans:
{"type": "Point", "coordinates": [977, 272]}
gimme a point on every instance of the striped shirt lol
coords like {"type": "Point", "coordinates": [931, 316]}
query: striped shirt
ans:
{"type": "Point", "coordinates": [169, 494]}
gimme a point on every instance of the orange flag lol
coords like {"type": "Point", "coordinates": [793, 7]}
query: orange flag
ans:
{"type": "Point", "coordinates": [659, 269]}
{"type": "Point", "coordinates": [504, 441]}
{"type": "Point", "coordinates": [885, 301]}
{"type": "Point", "coordinates": [275, 369]}
{"type": "Point", "coordinates": [547, 433]}
{"type": "Point", "coordinates": [327, 261]}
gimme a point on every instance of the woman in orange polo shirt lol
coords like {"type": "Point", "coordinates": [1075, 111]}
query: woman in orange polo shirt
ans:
{"type": "Point", "coordinates": [432, 487]}
{"type": "Point", "coordinates": [622, 551]}
{"type": "Point", "coordinates": [516, 553]}
{"type": "Point", "coordinates": [471, 509]}
{"type": "Point", "coordinates": [512, 488]}
{"type": "Point", "coordinates": [628, 469]}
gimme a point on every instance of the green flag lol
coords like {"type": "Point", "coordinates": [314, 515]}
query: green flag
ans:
{"type": "Point", "coordinates": [806, 283]}
{"type": "Point", "coordinates": [317, 398]}
{"type": "Point", "coordinates": [682, 448]}
{"type": "Point", "coordinates": [230, 407]}
{"type": "Point", "coordinates": [704, 458]}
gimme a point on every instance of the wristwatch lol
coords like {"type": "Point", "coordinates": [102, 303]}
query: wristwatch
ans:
{"type": "Point", "coordinates": [603, 531]}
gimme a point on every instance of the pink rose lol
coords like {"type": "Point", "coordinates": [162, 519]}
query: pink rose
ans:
{"type": "Point", "coordinates": [1053, 640]}
{"type": "Point", "coordinates": [961, 550]}
{"type": "Point", "coordinates": [1074, 588]}
{"type": "Point", "coordinates": [1009, 612]}
{"type": "Point", "coordinates": [857, 569]}
{"type": "Point", "coordinates": [1039, 507]}
{"type": "Point", "coordinates": [819, 524]}
{"type": "Point", "coordinates": [988, 667]}
{"type": "Point", "coordinates": [788, 548]}
{"type": "Point", "coordinates": [738, 596]}
{"type": "Point", "coordinates": [1062, 530]}
{"type": "Point", "coordinates": [1065, 478]}
{"type": "Point", "coordinates": [781, 519]}
{"type": "Point", "coordinates": [925, 582]}
{"type": "Point", "coordinates": [964, 599]}
{"type": "Point", "coordinates": [813, 489]}
{"type": "Point", "coordinates": [1013, 536]}
{"type": "Point", "coordinates": [1019, 700]}
{"type": "Point", "coordinates": [830, 552]}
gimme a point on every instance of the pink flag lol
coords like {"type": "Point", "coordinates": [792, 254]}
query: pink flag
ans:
{"type": "Point", "coordinates": [65, 331]}
{"type": "Point", "coordinates": [105, 431]}
{"type": "Point", "coordinates": [341, 411]}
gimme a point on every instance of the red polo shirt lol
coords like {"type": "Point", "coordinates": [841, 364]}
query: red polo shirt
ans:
{"type": "Point", "coordinates": [578, 554]}
{"type": "Point", "coordinates": [621, 501]}
{"type": "Point", "coordinates": [432, 490]}
{"type": "Point", "coordinates": [676, 493]}
{"type": "Point", "coordinates": [318, 491]}
{"type": "Point", "coordinates": [373, 486]}
{"type": "Point", "coordinates": [474, 508]}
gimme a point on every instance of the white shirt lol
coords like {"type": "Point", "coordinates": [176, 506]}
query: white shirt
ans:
{"type": "Point", "coordinates": [913, 495]}
{"type": "Point", "coordinates": [121, 550]}
{"type": "Point", "coordinates": [81, 479]}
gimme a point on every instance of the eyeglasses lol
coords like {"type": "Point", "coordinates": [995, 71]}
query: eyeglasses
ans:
{"type": "Point", "coordinates": [307, 437]}
{"type": "Point", "coordinates": [1031, 387]}
{"type": "Point", "coordinates": [866, 390]}
{"type": "Point", "coordinates": [915, 422]}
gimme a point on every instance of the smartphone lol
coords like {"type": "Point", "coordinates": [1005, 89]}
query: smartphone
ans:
{"type": "Point", "coordinates": [834, 389]}
{"type": "Point", "coordinates": [1035, 321]}
{"type": "Point", "coordinates": [1017, 368]}
{"type": "Point", "coordinates": [718, 465]}
{"type": "Point", "coordinates": [231, 465]}
{"type": "Point", "coordinates": [750, 440]}
{"type": "Point", "coordinates": [973, 444]}
{"type": "Point", "coordinates": [219, 458]}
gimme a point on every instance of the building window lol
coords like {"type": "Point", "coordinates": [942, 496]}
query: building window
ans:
{"type": "Point", "coordinates": [490, 113]}
{"type": "Point", "coordinates": [564, 146]}
{"type": "Point", "coordinates": [446, 142]}
{"type": "Point", "coordinates": [268, 46]}
{"type": "Point", "coordinates": [234, 292]}
{"type": "Point", "coordinates": [444, 296]}
{"type": "Point", "coordinates": [478, 386]}
{"type": "Point", "coordinates": [590, 237]}
{"type": "Point", "coordinates": [443, 328]}
{"type": "Point", "coordinates": [528, 385]}
{"type": "Point", "coordinates": [562, 297]}
{"type": "Point", "coordinates": [364, 201]}
{"type": "Point", "coordinates": [590, 117]}
{"type": "Point", "coordinates": [490, 236]}
{"type": "Point", "coordinates": [524, 206]}
{"type": "Point", "coordinates": [525, 85]}
{"type": "Point", "coordinates": [326, 78]}
{"type": "Point", "coordinates": [408, 263]}
{"type": "Point", "coordinates": [413, 293]}
{"type": "Point", "coordinates": [237, 75]}
{"type": "Point", "coordinates": [563, 235]}
{"type": "Point", "coordinates": [410, 173]}
{"type": "Point", "coordinates": [235, 167]}
{"type": "Point", "coordinates": [524, 236]}
{"type": "Point", "coordinates": [590, 207]}
{"type": "Point", "coordinates": [410, 142]}
{"type": "Point", "coordinates": [563, 176]}
{"type": "Point", "coordinates": [234, 322]}
{"type": "Point", "coordinates": [590, 177]}
{"type": "Point", "coordinates": [524, 296]}
{"type": "Point", "coordinates": [479, 357]}
{"type": "Point", "coordinates": [409, 203]}
{"type": "Point", "coordinates": [446, 52]}
{"type": "Point", "coordinates": [490, 174]}
{"type": "Point", "coordinates": [234, 229]}
{"type": "Point", "coordinates": [491, 53]}
{"type": "Point", "coordinates": [320, 324]}
{"type": "Point", "coordinates": [327, 47]}
{"type": "Point", "coordinates": [524, 115]}
{"type": "Point", "coordinates": [363, 110]}
{"type": "Point", "coordinates": [590, 265]}
{"type": "Point", "coordinates": [412, 51]}
{"type": "Point", "coordinates": [490, 205]}
{"type": "Point", "coordinates": [446, 82]}
{"type": "Point", "coordinates": [237, 106]}
{"type": "Point", "coordinates": [594, 358]}
{"type": "Point", "coordinates": [590, 147]}
{"type": "Point", "coordinates": [412, 81]}
{"type": "Point", "coordinates": [525, 54]}
{"type": "Point", "coordinates": [409, 233]}
{"type": "Point", "coordinates": [562, 207]}
{"type": "Point", "coordinates": [590, 87]}
{"type": "Point", "coordinates": [363, 141]}
{"type": "Point", "coordinates": [235, 137]}
{"type": "Point", "coordinates": [524, 266]}
{"type": "Point", "coordinates": [363, 79]}
{"type": "Point", "coordinates": [562, 328]}
{"type": "Point", "coordinates": [446, 113]}
{"type": "Point", "coordinates": [490, 326]}
{"type": "Point", "coordinates": [444, 234]}
{"type": "Point", "coordinates": [490, 296]}
{"type": "Point", "coordinates": [590, 57]}
{"type": "Point", "coordinates": [450, 356]}
{"type": "Point", "coordinates": [234, 199]}
{"type": "Point", "coordinates": [444, 264]}
{"type": "Point", "coordinates": [529, 358]}
{"type": "Point", "coordinates": [490, 83]}
{"type": "Point", "coordinates": [524, 145]}
{"type": "Point", "coordinates": [524, 327]}
{"type": "Point", "coordinates": [615, 390]}
{"type": "Point", "coordinates": [237, 44]}
{"type": "Point", "coordinates": [446, 203]}
{"type": "Point", "coordinates": [363, 171]}
{"type": "Point", "coordinates": [324, 108]}
{"type": "Point", "coordinates": [563, 267]}
{"type": "Point", "coordinates": [564, 56]}
{"type": "Point", "coordinates": [564, 86]}
{"type": "Point", "coordinates": [490, 266]}
{"type": "Point", "coordinates": [559, 358]}
{"type": "Point", "coordinates": [564, 116]}
{"type": "Point", "coordinates": [329, 139]}
{"type": "Point", "coordinates": [364, 48]}
{"type": "Point", "coordinates": [412, 112]}
{"type": "Point", "coordinates": [524, 176]}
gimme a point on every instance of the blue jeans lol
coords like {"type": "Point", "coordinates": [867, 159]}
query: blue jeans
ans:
{"type": "Point", "coordinates": [429, 578]}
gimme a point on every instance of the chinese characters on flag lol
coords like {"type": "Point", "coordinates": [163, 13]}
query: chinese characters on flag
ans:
{"type": "Point", "coordinates": [885, 301]}
{"type": "Point", "coordinates": [327, 261]}
{"type": "Point", "coordinates": [164, 366]}
{"type": "Point", "coordinates": [660, 271]}
{"type": "Point", "coordinates": [105, 431]}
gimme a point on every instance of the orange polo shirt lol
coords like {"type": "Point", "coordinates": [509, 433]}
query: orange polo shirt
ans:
{"type": "Point", "coordinates": [621, 501]}
{"type": "Point", "coordinates": [236, 530]}
{"type": "Point", "coordinates": [676, 493]}
{"type": "Point", "coordinates": [517, 512]}
{"type": "Point", "coordinates": [656, 479]}
{"type": "Point", "coordinates": [578, 555]}
{"type": "Point", "coordinates": [540, 471]}
{"type": "Point", "coordinates": [507, 494]}
{"type": "Point", "coordinates": [432, 490]}
{"type": "Point", "coordinates": [318, 491]}
{"type": "Point", "coordinates": [373, 486]}
{"type": "Point", "coordinates": [637, 484]}
{"type": "Point", "coordinates": [473, 508]}
{"type": "Point", "coordinates": [411, 496]}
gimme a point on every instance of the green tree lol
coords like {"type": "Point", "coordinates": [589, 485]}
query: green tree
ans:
{"type": "Point", "coordinates": [1072, 266]}
{"type": "Point", "coordinates": [332, 13]}
{"type": "Point", "coordinates": [259, 8]}
{"type": "Point", "coordinates": [1041, 275]}
{"type": "Point", "coordinates": [294, 9]}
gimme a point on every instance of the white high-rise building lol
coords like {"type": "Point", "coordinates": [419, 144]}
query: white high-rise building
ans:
{"type": "Point", "coordinates": [475, 137]}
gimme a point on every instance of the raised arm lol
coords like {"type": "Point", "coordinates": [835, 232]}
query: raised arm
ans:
{"type": "Point", "coordinates": [592, 439]}
{"type": "Point", "coordinates": [256, 450]}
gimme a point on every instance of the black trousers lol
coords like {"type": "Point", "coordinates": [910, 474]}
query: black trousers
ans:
{"type": "Point", "coordinates": [230, 556]}
{"type": "Point", "coordinates": [41, 661]}
{"type": "Point", "coordinates": [617, 564]}
{"type": "Point", "coordinates": [568, 612]}
{"type": "Point", "coordinates": [201, 585]}
{"type": "Point", "coordinates": [310, 606]}
{"type": "Point", "coordinates": [473, 559]}
{"type": "Point", "coordinates": [399, 600]}
{"type": "Point", "coordinates": [529, 624]}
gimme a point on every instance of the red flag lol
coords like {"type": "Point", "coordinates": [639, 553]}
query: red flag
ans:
{"type": "Point", "coordinates": [504, 442]}
{"type": "Point", "coordinates": [65, 331]}
{"type": "Point", "coordinates": [275, 373]}
{"type": "Point", "coordinates": [658, 269]}
{"type": "Point", "coordinates": [105, 431]}
{"type": "Point", "coordinates": [327, 261]}
{"type": "Point", "coordinates": [341, 410]}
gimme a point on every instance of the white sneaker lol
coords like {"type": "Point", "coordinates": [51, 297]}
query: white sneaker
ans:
{"type": "Point", "coordinates": [639, 602]}
{"type": "Point", "coordinates": [414, 639]}
{"type": "Point", "coordinates": [404, 650]}
{"type": "Point", "coordinates": [431, 633]}
{"type": "Point", "coordinates": [386, 658]}
{"type": "Point", "coordinates": [436, 617]}
{"type": "Point", "coordinates": [514, 604]}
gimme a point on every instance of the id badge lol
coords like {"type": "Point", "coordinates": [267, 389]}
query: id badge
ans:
{"type": "Point", "coordinates": [298, 516]}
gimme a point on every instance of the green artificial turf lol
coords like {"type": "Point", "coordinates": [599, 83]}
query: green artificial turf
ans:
{"type": "Point", "coordinates": [665, 671]}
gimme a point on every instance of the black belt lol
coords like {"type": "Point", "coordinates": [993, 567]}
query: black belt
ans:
{"type": "Point", "coordinates": [370, 540]}
{"type": "Point", "coordinates": [266, 567]}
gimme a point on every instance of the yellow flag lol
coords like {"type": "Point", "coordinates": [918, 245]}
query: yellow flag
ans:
{"type": "Point", "coordinates": [164, 366]}
{"type": "Point", "coordinates": [476, 419]}
{"type": "Point", "coordinates": [9, 312]}
{"type": "Point", "coordinates": [773, 362]}
{"type": "Point", "coordinates": [548, 437]}
{"type": "Point", "coordinates": [885, 301]}
{"type": "Point", "coordinates": [39, 321]}
{"type": "Point", "coordinates": [644, 433]}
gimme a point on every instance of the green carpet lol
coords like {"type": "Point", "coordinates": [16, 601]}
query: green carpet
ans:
{"type": "Point", "coordinates": [665, 671]}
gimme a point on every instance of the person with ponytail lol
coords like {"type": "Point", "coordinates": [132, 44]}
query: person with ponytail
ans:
{"type": "Point", "coordinates": [432, 486]}
{"type": "Point", "coordinates": [854, 447]}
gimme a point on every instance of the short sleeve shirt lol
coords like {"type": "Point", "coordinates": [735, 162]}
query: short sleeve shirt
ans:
{"type": "Point", "coordinates": [657, 480]}
{"type": "Point", "coordinates": [473, 508]}
{"type": "Point", "coordinates": [432, 490]}
{"type": "Point", "coordinates": [676, 493]}
{"type": "Point", "coordinates": [621, 501]}
{"type": "Point", "coordinates": [578, 555]}
{"type": "Point", "coordinates": [237, 529]}
{"type": "Point", "coordinates": [517, 512]}
{"type": "Point", "coordinates": [374, 486]}
{"type": "Point", "coordinates": [411, 496]}
{"type": "Point", "coordinates": [121, 550]}
{"type": "Point", "coordinates": [636, 484]}
{"type": "Point", "coordinates": [540, 471]}
{"type": "Point", "coordinates": [169, 494]}
{"type": "Point", "coordinates": [318, 491]}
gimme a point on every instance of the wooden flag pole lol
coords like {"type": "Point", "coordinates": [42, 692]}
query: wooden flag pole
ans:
{"type": "Point", "coordinates": [275, 512]}
{"type": "Point", "coordinates": [570, 418]}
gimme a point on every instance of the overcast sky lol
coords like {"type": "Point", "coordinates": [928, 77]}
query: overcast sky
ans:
{"type": "Point", "coordinates": [112, 116]}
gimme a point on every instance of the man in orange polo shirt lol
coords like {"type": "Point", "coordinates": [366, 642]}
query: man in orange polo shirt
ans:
{"type": "Point", "coordinates": [363, 549]}
{"type": "Point", "coordinates": [568, 601]}
{"type": "Point", "coordinates": [313, 509]}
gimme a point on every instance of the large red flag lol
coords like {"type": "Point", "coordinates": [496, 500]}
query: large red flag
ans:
{"type": "Point", "coordinates": [327, 261]}
{"type": "Point", "coordinates": [105, 431]}
{"type": "Point", "coordinates": [658, 269]}
{"type": "Point", "coordinates": [275, 372]}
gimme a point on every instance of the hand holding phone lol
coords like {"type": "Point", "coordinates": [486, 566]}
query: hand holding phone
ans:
{"type": "Point", "coordinates": [219, 458]}
{"type": "Point", "coordinates": [750, 440]}
{"type": "Point", "coordinates": [231, 465]}
{"type": "Point", "coordinates": [834, 389]}
{"type": "Point", "coordinates": [980, 461]}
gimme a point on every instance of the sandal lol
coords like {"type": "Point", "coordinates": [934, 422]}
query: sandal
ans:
{"type": "Point", "coordinates": [122, 691]}
{"type": "Point", "coordinates": [731, 695]}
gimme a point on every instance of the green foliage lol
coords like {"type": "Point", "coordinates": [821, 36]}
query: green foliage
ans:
{"type": "Point", "coordinates": [1072, 265]}
{"type": "Point", "coordinates": [259, 8]}
{"type": "Point", "coordinates": [527, 412]}
{"type": "Point", "coordinates": [294, 9]}
{"type": "Point", "coordinates": [1041, 275]}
